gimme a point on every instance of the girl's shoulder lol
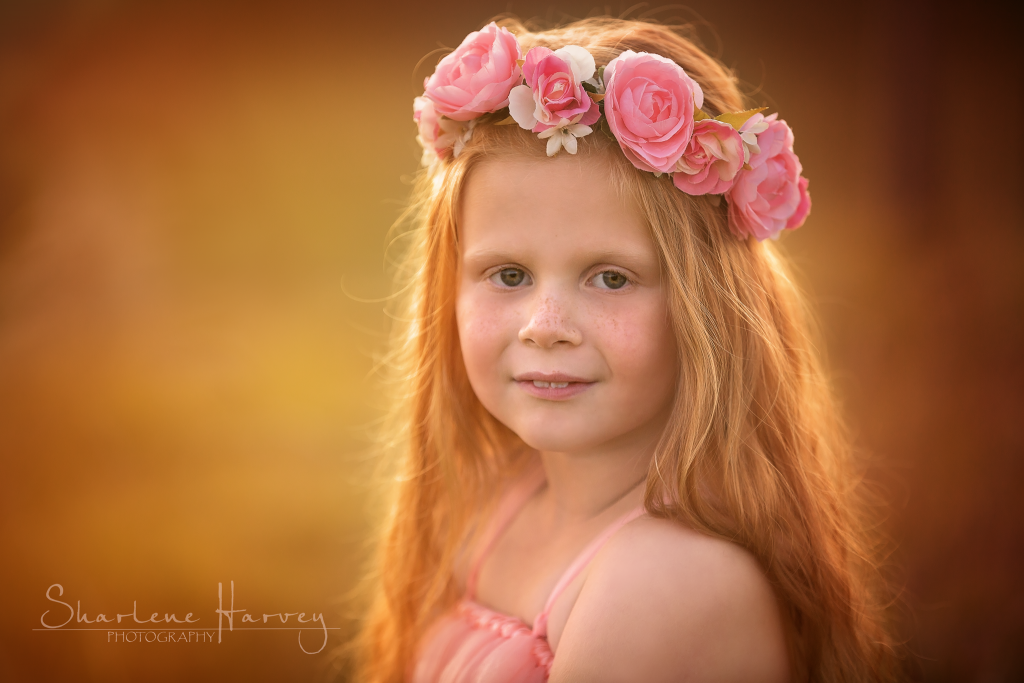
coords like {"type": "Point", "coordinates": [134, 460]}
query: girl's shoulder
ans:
{"type": "Point", "coordinates": [676, 600]}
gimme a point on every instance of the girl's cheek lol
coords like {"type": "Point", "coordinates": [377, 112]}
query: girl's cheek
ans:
{"type": "Point", "coordinates": [485, 329]}
{"type": "Point", "coordinates": [625, 330]}
{"type": "Point", "coordinates": [637, 340]}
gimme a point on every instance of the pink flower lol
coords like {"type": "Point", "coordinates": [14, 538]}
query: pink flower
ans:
{"type": "Point", "coordinates": [477, 77]}
{"type": "Point", "coordinates": [803, 208]}
{"type": "Point", "coordinates": [553, 96]}
{"type": "Point", "coordinates": [712, 159]}
{"type": "Point", "coordinates": [429, 129]}
{"type": "Point", "coordinates": [770, 196]}
{"type": "Point", "coordinates": [438, 136]}
{"type": "Point", "coordinates": [649, 103]}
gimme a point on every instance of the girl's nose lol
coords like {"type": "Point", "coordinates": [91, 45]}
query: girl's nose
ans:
{"type": "Point", "coordinates": [549, 324]}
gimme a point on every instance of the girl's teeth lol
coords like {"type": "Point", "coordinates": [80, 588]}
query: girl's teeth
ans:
{"type": "Point", "coordinates": [554, 385]}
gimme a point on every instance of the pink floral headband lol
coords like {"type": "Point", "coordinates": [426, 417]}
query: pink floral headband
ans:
{"type": "Point", "coordinates": [651, 106]}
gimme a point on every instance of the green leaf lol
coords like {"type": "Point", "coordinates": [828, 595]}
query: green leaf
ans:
{"type": "Point", "coordinates": [589, 87]}
{"type": "Point", "coordinates": [738, 118]}
{"type": "Point", "coordinates": [507, 121]}
{"type": "Point", "coordinates": [698, 115]}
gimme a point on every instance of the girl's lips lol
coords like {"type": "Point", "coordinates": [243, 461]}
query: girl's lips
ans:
{"type": "Point", "coordinates": [554, 393]}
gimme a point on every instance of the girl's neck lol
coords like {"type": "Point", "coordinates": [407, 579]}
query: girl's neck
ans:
{"type": "Point", "coordinates": [582, 486]}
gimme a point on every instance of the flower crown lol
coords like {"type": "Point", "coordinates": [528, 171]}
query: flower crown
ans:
{"type": "Point", "coordinates": [651, 106]}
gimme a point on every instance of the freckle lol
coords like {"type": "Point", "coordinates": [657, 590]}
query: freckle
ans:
{"type": "Point", "coordinates": [608, 322]}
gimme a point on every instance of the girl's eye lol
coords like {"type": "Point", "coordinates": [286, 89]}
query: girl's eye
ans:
{"type": "Point", "coordinates": [610, 279]}
{"type": "Point", "coordinates": [510, 277]}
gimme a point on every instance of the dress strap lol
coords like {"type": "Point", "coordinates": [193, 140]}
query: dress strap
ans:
{"type": "Point", "coordinates": [514, 500]}
{"type": "Point", "coordinates": [540, 624]}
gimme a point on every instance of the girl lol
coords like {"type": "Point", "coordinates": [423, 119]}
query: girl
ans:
{"type": "Point", "coordinates": [620, 458]}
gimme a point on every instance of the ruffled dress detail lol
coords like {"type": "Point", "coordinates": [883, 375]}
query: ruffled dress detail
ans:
{"type": "Point", "coordinates": [475, 644]}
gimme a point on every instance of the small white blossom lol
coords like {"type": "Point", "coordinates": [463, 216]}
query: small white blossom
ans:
{"type": "Point", "coordinates": [749, 132]}
{"type": "Point", "coordinates": [455, 134]}
{"type": "Point", "coordinates": [564, 136]}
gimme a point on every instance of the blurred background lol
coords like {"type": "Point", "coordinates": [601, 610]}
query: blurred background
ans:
{"type": "Point", "coordinates": [194, 198]}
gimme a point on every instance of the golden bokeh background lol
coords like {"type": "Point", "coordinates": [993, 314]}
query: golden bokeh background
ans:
{"type": "Point", "coordinates": [194, 199]}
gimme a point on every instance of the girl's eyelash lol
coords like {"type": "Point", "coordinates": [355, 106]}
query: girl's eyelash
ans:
{"type": "Point", "coordinates": [616, 271]}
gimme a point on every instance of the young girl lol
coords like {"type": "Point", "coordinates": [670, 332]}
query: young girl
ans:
{"type": "Point", "coordinates": [620, 458]}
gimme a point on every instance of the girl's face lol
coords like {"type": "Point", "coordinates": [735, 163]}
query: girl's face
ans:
{"type": "Point", "coordinates": [562, 316]}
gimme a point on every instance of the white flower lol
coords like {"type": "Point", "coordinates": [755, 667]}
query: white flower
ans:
{"type": "Point", "coordinates": [564, 136]}
{"type": "Point", "coordinates": [521, 106]}
{"type": "Point", "coordinates": [429, 155]}
{"type": "Point", "coordinates": [579, 59]}
{"type": "Point", "coordinates": [455, 134]}
{"type": "Point", "coordinates": [749, 131]}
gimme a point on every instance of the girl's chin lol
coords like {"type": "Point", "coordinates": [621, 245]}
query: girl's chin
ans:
{"type": "Point", "coordinates": [558, 438]}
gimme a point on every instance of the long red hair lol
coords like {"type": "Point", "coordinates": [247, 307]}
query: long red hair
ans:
{"type": "Point", "coordinates": [754, 452]}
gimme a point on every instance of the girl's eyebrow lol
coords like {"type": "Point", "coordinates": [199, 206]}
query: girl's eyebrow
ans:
{"type": "Point", "coordinates": [629, 258]}
{"type": "Point", "coordinates": [489, 254]}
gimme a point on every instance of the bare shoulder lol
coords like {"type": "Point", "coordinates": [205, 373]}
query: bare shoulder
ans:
{"type": "Point", "coordinates": [664, 603]}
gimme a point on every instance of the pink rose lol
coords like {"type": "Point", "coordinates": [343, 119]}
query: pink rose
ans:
{"type": "Point", "coordinates": [477, 77]}
{"type": "Point", "coordinates": [711, 160]}
{"type": "Point", "coordinates": [770, 196]}
{"type": "Point", "coordinates": [430, 132]}
{"type": "Point", "coordinates": [649, 103]}
{"type": "Point", "coordinates": [438, 136]}
{"type": "Point", "coordinates": [553, 95]}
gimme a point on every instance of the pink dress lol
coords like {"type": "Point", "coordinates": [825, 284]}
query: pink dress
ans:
{"type": "Point", "coordinates": [475, 644]}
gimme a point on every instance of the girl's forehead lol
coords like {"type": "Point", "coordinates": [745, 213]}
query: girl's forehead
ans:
{"type": "Point", "coordinates": [542, 176]}
{"type": "Point", "coordinates": [561, 201]}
